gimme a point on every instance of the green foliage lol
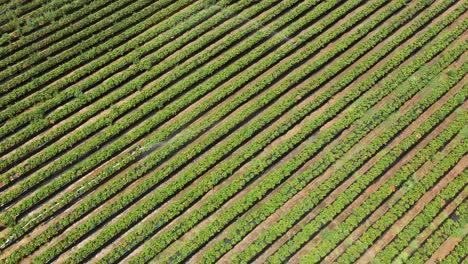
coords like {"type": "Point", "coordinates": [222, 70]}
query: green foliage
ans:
{"type": "Point", "coordinates": [138, 64]}
{"type": "Point", "coordinates": [92, 66]}
{"type": "Point", "coordinates": [444, 231]}
{"type": "Point", "coordinates": [457, 255]}
{"type": "Point", "coordinates": [268, 238]}
{"type": "Point", "coordinates": [81, 41]}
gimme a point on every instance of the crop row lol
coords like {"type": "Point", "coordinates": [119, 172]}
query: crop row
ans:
{"type": "Point", "coordinates": [412, 195]}
{"type": "Point", "coordinates": [50, 30]}
{"type": "Point", "coordinates": [101, 90]}
{"type": "Point", "coordinates": [13, 24]}
{"type": "Point", "coordinates": [224, 131]}
{"type": "Point", "coordinates": [256, 194]}
{"type": "Point", "coordinates": [20, 10]}
{"type": "Point", "coordinates": [134, 41]}
{"type": "Point", "coordinates": [374, 200]}
{"type": "Point", "coordinates": [380, 167]}
{"type": "Point", "coordinates": [364, 127]}
{"type": "Point", "coordinates": [222, 151]}
{"type": "Point", "coordinates": [85, 115]}
{"type": "Point", "coordinates": [342, 174]}
{"type": "Point", "coordinates": [155, 120]}
{"type": "Point", "coordinates": [239, 100]}
{"type": "Point", "coordinates": [106, 23]}
{"type": "Point", "coordinates": [8, 5]}
{"type": "Point", "coordinates": [82, 100]}
{"type": "Point", "coordinates": [421, 221]}
{"type": "Point", "coordinates": [214, 204]}
{"type": "Point", "coordinates": [60, 61]}
{"type": "Point", "coordinates": [66, 127]}
{"type": "Point", "coordinates": [40, 17]}
{"type": "Point", "coordinates": [152, 102]}
{"type": "Point", "coordinates": [454, 226]}
{"type": "Point", "coordinates": [458, 254]}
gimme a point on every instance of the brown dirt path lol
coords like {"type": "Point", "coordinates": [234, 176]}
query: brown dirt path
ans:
{"type": "Point", "coordinates": [292, 131]}
{"type": "Point", "coordinates": [339, 249]}
{"type": "Point", "coordinates": [386, 206]}
{"type": "Point", "coordinates": [409, 130]}
{"type": "Point", "coordinates": [252, 236]}
{"type": "Point", "coordinates": [194, 143]}
{"type": "Point", "coordinates": [253, 184]}
{"type": "Point", "coordinates": [101, 69]}
{"type": "Point", "coordinates": [142, 141]}
{"type": "Point", "coordinates": [401, 224]}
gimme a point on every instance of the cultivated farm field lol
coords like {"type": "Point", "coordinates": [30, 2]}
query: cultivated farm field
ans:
{"type": "Point", "coordinates": [249, 131]}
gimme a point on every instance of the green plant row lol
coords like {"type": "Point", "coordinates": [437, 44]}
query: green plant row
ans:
{"type": "Point", "coordinates": [8, 5]}
{"type": "Point", "coordinates": [375, 199]}
{"type": "Point", "coordinates": [105, 23]}
{"type": "Point", "coordinates": [363, 127]}
{"type": "Point", "coordinates": [450, 227]}
{"type": "Point", "coordinates": [35, 76]}
{"type": "Point", "coordinates": [54, 92]}
{"type": "Point", "coordinates": [53, 32]}
{"type": "Point", "coordinates": [212, 204]}
{"type": "Point", "coordinates": [355, 190]}
{"type": "Point", "coordinates": [20, 42]}
{"type": "Point", "coordinates": [21, 21]}
{"type": "Point", "coordinates": [20, 10]}
{"type": "Point", "coordinates": [40, 17]}
{"type": "Point", "coordinates": [244, 204]}
{"type": "Point", "coordinates": [412, 195]}
{"type": "Point", "coordinates": [134, 174]}
{"type": "Point", "coordinates": [110, 170]}
{"type": "Point", "coordinates": [21, 60]}
{"type": "Point", "coordinates": [458, 254]}
{"type": "Point", "coordinates": [343, 173]}
{"type": "Point", "coordinates": [83, 99]}
{"type": "Point", "coordinates": [74, 122]}
{"type": "Point", "coordinates": [123, 123]}
{"type": "Point", "coordinates": [421, 221]}
{"type": "Point", "coordinates": [8, 8]}
{"type": "Point", "coordinates": [196, 170]}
